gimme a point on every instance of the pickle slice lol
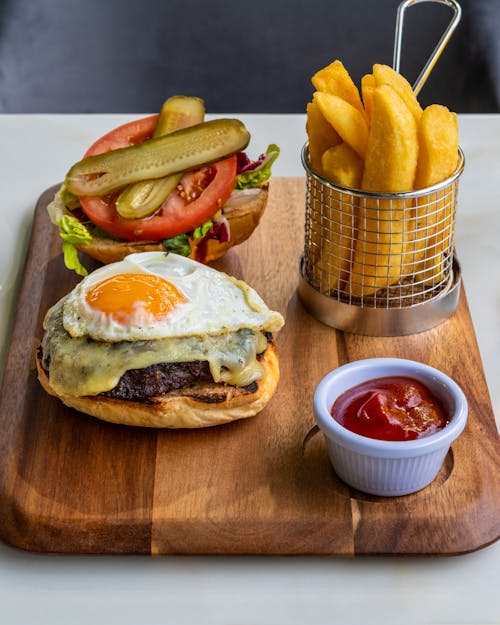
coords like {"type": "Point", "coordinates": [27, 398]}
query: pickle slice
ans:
{"type": "Point", "coordinates": [189, 148]}
{"type": "Point", "coordinates": [142, 199]}
{"type": "Point", "coordinates": [178, 112]}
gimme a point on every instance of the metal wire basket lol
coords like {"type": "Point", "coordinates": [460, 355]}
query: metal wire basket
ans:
{"type": "Point", "coordinates": [381, 263]}
{"type": "Point", "coordinates": [383, 254]}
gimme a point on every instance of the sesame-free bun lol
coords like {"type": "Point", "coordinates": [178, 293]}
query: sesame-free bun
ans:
{"type": "Point", "coordinates": [197, 406]}
{"type": "Point", "coordinates": [243, 218]}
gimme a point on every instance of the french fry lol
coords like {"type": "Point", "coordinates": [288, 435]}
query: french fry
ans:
{"type": "Point", "coordinates": [367, 90]}
{"type": "Point", "coordinates": [438, 146]}
{"type": "Point", "coordinates": [385, 75]}
{"type": "Point", "coordinates": [343, 166]}
{"type": "Point", "coordinates": [321, 135]}
{"type": "Point", "coordinates": [390, 166]}
{"type": "Point", "coordinates": [437, 160]}
{"type": "Point", "coordinates": [347, 120]}
{"type": "Point", "coordinates": [331, 239]}
{"type": "Point", "coordinates": [391, 156]}
{"type": "Point", "coordinates": [335, 79]}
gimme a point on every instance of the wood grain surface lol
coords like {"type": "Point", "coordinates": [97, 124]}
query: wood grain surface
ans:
{"type": "Point", "coordinates": [70, 483]}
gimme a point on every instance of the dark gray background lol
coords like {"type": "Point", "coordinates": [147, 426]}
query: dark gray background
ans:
{"type": "Point", "coordinates": [71, 56]}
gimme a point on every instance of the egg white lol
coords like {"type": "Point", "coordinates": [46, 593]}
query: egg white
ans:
{"type": "Point", "coordinates": [216, 303]}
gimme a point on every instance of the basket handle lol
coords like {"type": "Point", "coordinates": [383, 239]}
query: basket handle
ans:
{"type": "Point", "coordinates": [424, 74]}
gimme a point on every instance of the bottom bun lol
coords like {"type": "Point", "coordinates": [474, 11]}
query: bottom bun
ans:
{"type": "Point", "coordinates": [197, 406]}
{"type": "Point", "coordinates": [243, 218]}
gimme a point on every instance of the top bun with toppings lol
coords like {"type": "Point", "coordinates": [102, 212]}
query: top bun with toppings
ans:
{"type": "Point", "coordinates": [165, 182]}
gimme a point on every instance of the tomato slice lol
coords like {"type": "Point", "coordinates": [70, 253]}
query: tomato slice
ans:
{"type": "Point", "coordinates": [124, 136]}
{"type": "Point", "coordinates": [202, 193]}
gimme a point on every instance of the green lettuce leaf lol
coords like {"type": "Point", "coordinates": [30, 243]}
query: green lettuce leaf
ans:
{"type": "Point", "coordinates": [72, 232]}
{"type": "Point", "coordinates": [201, 231]}
{"type": "Point", "coordinates": [255, 177]}
{"type": "Point", "coordinates": [71, 259]}
{"type": "Point", "coordinates": [178, 245]}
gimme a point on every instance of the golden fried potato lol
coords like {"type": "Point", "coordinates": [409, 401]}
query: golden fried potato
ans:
{"type": "Point", "coordinates": [437, 160]}
{"type": "Point", "coordinates": [342, 166]}
{"type": "Point", "coordinates": [380, 248]}
{"type": "Point", "coordinates": [367, 90]}
{"type": "Point", "coordinates": [335, 79]}
{"type": "Point", "coordinates": [321, 135]}
{"type": "Point", "coordinates": [438, 146]}
{"type": "Point", "coordinates": [430, 237]}
{"type": "Point", "coordinates": [385, 75]}
{"type": "Point", "coordinates": [390, 165]}
{"type": "Point", "coordinates": [347, 120]}
{"type": "Point", "coordinates": [331, 239]}
{"type": "Point", "coordinates": [392, 149]}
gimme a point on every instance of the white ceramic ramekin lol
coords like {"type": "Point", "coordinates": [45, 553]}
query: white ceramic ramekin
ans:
{"type": "Point", "coordinates": [387, 468]}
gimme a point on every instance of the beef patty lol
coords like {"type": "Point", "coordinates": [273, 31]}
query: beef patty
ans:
{"type": "Point", "coordinates": [159, 379]}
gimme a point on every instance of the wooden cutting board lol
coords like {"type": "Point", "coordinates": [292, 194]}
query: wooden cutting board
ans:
{"type": "Point", "coordinates": [70, 483]}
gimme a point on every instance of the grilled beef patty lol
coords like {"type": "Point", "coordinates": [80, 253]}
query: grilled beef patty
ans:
{"type": "Point", "coordinates": [159, 379]}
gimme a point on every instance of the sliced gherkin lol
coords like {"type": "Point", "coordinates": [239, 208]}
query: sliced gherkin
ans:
{"type": "Point", "coordinates": [189, 148]}
{"type": "Point", "coordinates": [142, 199]}
{"type": "Point", "coordinates": [178, 112]}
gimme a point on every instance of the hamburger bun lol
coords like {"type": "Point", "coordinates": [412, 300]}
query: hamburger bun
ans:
{"type": "Point", "coordinates": [243, 218]}
{"type": "Point", "coordinates": [199, 405]}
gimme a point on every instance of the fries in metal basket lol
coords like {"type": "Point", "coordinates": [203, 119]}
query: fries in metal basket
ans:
{"type": "Point", "coordinates": [382, 143]}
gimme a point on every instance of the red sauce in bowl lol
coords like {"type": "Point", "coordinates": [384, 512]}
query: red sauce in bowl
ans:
{"type": "Point", "coordinates": [390, 409]}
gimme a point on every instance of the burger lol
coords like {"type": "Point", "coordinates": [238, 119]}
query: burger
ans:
{"type": "Point", "coordinates": [171, 182]}
{"type": "Point", "coordinates": [161, 340]}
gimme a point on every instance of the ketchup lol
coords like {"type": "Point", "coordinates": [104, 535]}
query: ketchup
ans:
{"type": "Point", "coordinates": [390, 409]}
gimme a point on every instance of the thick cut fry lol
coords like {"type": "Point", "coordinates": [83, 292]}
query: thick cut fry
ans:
{"type": "Point", "coordinates": [347, 120]}
{"type": "Point", "coordinates": [332, 237]}
{"type": "Point", "coordinates": [385, 75]}
{"type": "Point", "coordinates": [321, 135]}
{"type": "Point", "coordinates": [431, 237]}
{"type": "Point", "coordinates": [391, 162]}
{"type": "Point", "coordinates": [342, 166]}
{"type": "Point", "coordinates": [437, 160]}
{"type": "Point", "coordinates": [379, 252]}
{"type": "Point", "coordinates": [367, 90]}
{"type": "Point", "coordinates": [368, 80]}
{"type": "Point", "coordinates": [391, 154]}
{"type": "Point", "coordinates": [438, 146]}
{"type": "Point", "coordinates": [335, 79]}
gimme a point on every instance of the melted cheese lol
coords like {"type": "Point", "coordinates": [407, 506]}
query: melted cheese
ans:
{"type": "Point", "coordinates": [82, 366]}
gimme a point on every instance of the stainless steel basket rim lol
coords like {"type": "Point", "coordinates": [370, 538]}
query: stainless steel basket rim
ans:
{"type": "Point", "coordinates": [381, 321]}
{"type": "Point", "coordinates": [455, 277]}
{"type": "Point", "coordinates": [386, 196]}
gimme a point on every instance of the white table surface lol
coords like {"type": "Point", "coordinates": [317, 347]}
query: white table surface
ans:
{"type": "Point", "coordinates": [35, 153]}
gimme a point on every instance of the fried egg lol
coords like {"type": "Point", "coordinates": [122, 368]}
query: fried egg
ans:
{"type": "Point", "coordinates": [157, 295]}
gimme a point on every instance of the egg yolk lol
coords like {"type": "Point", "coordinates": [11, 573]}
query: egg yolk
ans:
{"type": "Point", "coordinates": [127, 295]}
